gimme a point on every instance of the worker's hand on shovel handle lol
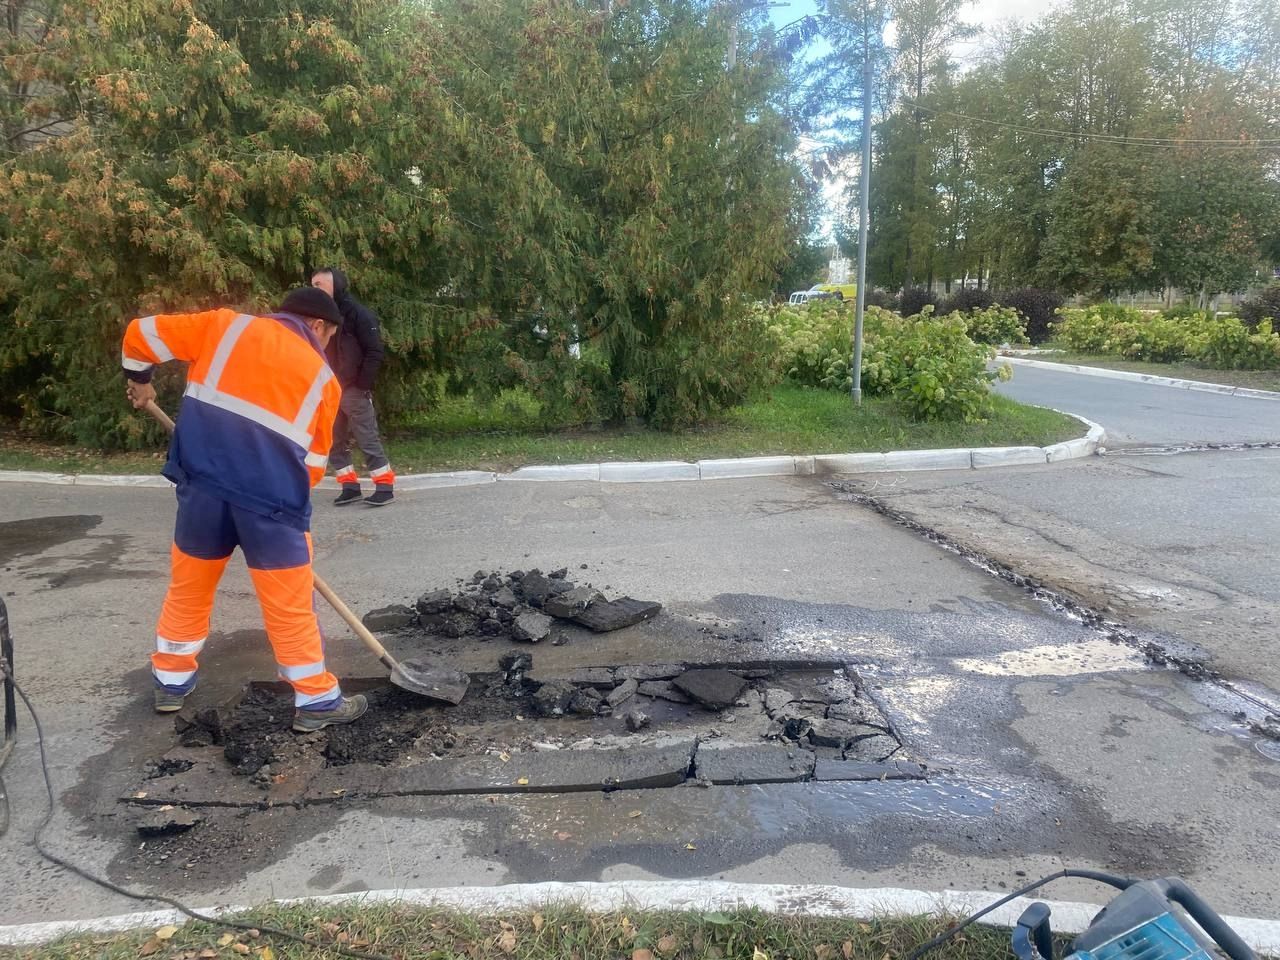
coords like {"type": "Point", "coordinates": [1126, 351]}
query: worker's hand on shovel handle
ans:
{"type": "Point", "coordinates": [140, 394]}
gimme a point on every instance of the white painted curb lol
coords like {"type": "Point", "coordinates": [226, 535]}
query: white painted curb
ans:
{"type": "Point", "coordinates": [642, 472]}
{"type": "Point", "coordinates": [654, 472]}
{"type": "Point", "coordinates": [809, 900]}
{"type": "Point", "coordinates": [1199, 386]}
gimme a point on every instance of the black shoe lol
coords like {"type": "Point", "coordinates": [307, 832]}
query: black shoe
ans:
{"type": "Point", "coordinates": [350, 494]}
{"type": "Point", "coordinates": [381, 496]}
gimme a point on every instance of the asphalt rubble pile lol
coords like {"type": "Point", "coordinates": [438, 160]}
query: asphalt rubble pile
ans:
{"type": "Point", "coordinates": [519, 606]}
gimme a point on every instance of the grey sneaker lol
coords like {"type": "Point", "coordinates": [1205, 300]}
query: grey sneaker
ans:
{"type": "Point", "coordinates": [349, 710]}
{"type": "Point", "coordinates": [167, 702]}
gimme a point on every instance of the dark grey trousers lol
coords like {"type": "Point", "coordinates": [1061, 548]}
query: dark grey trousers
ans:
{"type": "Point", "coordinates": [357, 420]}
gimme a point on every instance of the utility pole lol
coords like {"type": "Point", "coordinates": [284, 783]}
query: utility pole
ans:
{"type": "Point", "coordinates": [864, 207]}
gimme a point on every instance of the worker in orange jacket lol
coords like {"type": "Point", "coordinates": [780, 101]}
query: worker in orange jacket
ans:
{"type": "Point", "coordinates": [252, 441]}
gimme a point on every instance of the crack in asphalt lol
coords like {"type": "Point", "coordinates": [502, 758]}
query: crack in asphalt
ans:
{"type": "Point", "coordinates": [1064, 605]}
{"type": "Point", "coordinates": [1177, 448]}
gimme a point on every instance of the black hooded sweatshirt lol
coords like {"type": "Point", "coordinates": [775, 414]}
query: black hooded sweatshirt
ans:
{"type": "Point", "coordinates": [355, 352]}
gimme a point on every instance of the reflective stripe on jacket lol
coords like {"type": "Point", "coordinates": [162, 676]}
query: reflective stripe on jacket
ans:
{"type": "Point", "coordinates": [257, 419]}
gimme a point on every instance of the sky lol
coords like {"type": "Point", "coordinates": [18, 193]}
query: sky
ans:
{"type": "Point", "coordinates": [982, 13]}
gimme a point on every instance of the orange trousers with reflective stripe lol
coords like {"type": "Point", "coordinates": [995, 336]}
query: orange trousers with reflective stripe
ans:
{"type": "Point", "coordinates": [208, 530]}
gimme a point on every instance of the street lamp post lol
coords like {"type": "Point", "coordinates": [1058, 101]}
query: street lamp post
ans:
{"type": "Point", "coordinates": [864, 205]}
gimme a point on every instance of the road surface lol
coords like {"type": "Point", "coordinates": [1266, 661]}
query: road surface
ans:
{"type": "Point", "coordinates": [1048, 743]}
{"type": "Point", "coordinates": [1143, 413]}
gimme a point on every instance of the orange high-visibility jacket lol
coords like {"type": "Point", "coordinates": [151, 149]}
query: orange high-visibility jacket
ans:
{"type": "Point", "coordinates": [257, 418]}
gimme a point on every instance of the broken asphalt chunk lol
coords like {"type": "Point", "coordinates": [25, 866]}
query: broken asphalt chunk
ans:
{"type": "Point", "coordinates": [552, 699]}
{"type": "Point", "coordinates": [853, 770]}
{"type": "Point", "coordinates": [605, 617]}
{"type": "Point", "coordinates": [714, 689]}
{"type": "Point", "coordinates": [395, 617]}
{"type": "Point", "coordinates": [434, 601]}
{"type": "Point", "coordinates": [569, 604]}
{"type": "Point", "coordinates": [662, 690]}
{"type": "Point", "coordinates": [729, 763]}
{"type": "Point", "coordinates": [531, 626]}
{"type": "Point", "coordinates": [622, 693]}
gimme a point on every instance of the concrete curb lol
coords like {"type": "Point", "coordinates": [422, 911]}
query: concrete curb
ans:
{"type": "Point", "coordinates": [967, 458]}
{"type": "Point", "coordinates": [1200, 386]}
{"type": "Point", "coordinates": [810, 900]}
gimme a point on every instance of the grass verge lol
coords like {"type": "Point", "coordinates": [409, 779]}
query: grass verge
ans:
{"type": "Point", "coordinates": [1254, 379]}
{"type": "Point", "coordinates": [553, 934]}
{"type": "Point", "coordinates": [463, 435]}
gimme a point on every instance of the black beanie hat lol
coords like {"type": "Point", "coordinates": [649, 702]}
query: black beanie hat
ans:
{"type": "Point", "coordinates": [312, 302]}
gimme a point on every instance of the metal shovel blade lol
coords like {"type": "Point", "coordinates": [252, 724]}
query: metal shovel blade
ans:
{"type": "Point", "coordinates": [447, 686]}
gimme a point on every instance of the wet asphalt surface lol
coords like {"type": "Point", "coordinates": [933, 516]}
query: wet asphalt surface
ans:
{"type": "Point", "coordinates": [1048, 743]}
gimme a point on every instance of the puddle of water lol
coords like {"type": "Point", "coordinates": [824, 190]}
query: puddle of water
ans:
{"type": "Point", "coordinates": [764, 812]}
{"type": "Point", "coordinates": [1089, 656]}
{"type": "Point", "coordinates": [21, 538]}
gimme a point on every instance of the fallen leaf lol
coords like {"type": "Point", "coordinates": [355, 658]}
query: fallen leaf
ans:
{"type": "Point", "coordinates": [140, 795]}
{"type": "Point", "coordinates": [225, 940]}
{"type": "Point", "coordinates": [507, 942]}
{"type": "Point", "coordinates": [330, 928]}
{"type": "Point", "coordinates": [690, 846]}
{"type": "Point", "coordinates": [166, 933]}
{"type": "Point", "coordinates": [759, 955]}
{"type": "Point", "coordinates": [241, 948]}
{"type": "Point", "coordinates": [824, 951]}
{"type": "Point", "coordinates": [635, 813]}
{"type": "Point", "coordinates": [523, 781]}
{"type": "Point", "coordinates": [847, 950]}
{"type": "Point", "coordinates": [167, 806]}
{"type": "Point", "coordinates": [504, 756]}
{"type": "Point", "coordinates": [253, 934]}
{"type": "Point", "coordinates": [537, 923]}
{"type": "Point", "coordinates": [208, 953]}
{"type": "Point", "coordinates": [343, 937]}
{"type": "Point", "coordinates": [668, 944]}
{"type": "Point", "coordinates": [642, 954]}
{"type": "Point", "coordinates": [562, 836]}
{"type": "Point", "coordinates": [150, 947]}
{"type": "Point", "coordinates": [339, 792]}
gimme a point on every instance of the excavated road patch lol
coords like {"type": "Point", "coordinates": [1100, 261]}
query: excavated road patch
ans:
{"type": "Point", "coordinates": [599, 729]}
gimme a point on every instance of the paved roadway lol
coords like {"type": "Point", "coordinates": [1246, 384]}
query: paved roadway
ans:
{"type": "Point", "coordinates": [1153, 777]}
{"type": "Point", "coordinates": [1142, 413]}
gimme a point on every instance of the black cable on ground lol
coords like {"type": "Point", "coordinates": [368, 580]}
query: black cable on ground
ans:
{"type": "Point", "coordinates": [156, 897]}
{"type": "Point", "coordinates": [1120, 883]}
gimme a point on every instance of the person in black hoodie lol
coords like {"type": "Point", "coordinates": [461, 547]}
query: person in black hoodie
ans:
{"type": "Point", "coordinates": [355, 355]}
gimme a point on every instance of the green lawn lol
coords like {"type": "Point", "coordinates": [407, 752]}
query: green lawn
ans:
{"type": "Point", "coordinates": [462, 435]}
{"type": "Point", "coordinates": [1255, 379]}
{"type": "Point", "coordinates": [554, 934]}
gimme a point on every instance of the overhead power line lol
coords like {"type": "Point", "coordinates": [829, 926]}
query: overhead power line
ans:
{"type": "Point", "coordinates": [1160, 142]}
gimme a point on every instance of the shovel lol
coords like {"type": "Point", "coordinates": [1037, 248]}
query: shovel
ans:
{"type": "Point", "coordinates": [447, 686]}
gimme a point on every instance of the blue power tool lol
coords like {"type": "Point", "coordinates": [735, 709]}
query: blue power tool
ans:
{"type": "Point", "coordinates": [1150, 920]}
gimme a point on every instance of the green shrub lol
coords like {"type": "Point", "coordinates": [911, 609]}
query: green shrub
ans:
{"type": "Point", "coordinates": [1226, 343]}
{"type": "Point", "coordinates": [927, 363]}
{"type": "Point", "coordinates": [812, 338]}
{"type": "Point", "coordinates": [995, 325]}
{"type": "Point", "coordinates": [1090, 329]}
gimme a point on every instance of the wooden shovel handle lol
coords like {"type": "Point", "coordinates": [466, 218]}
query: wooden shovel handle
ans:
{"type": "Point", "coordinates": [360, 630]}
